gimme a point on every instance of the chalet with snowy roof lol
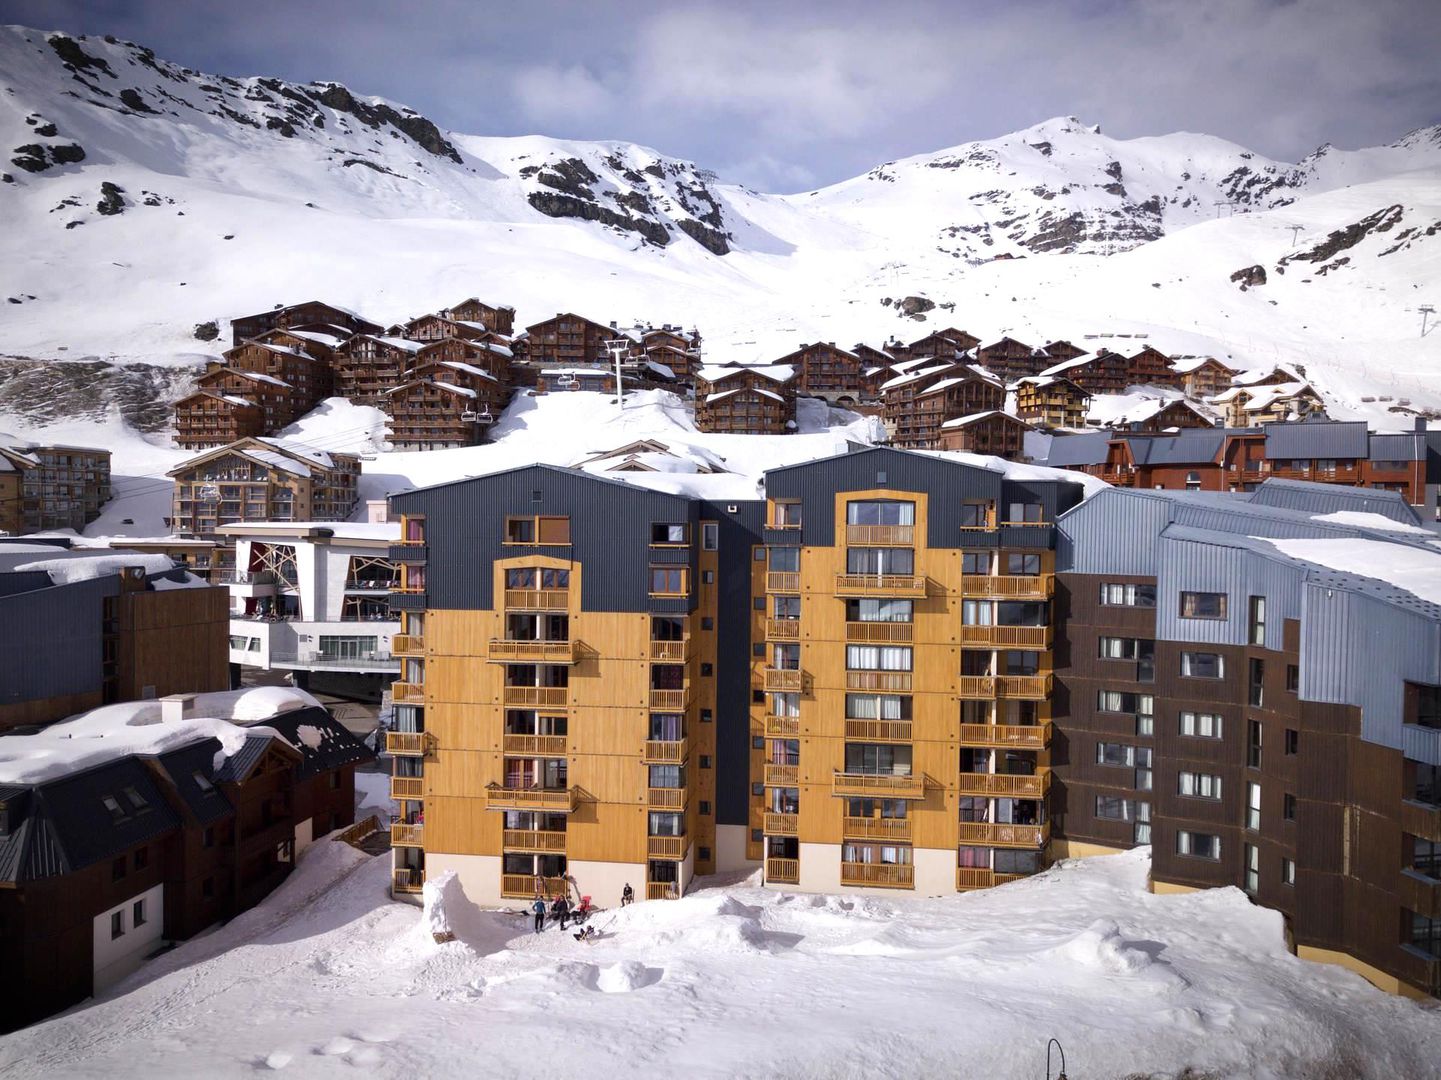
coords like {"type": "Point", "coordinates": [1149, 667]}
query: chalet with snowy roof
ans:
{"type": "Point", "coordinates": [900, 392]}
{"type": "Point", "coordinates": [312, 313]}
{"type": "Point", "coordinates": [568, 340]}
{"type": "Point", "coordinates": [136, 825]}
{"type": "Point", "coordinates": [51, 486]}
{"type": "Point", "coordinates": [214, 417]}
{"type": "Point", "coordinates": [741, 400]}
{"type": "Point", "coordinates": [369, 365]}
{"type": "Point", "coordinates": [489, 356]}
{"type": "Point", "coordinates": [436, 327]}
{"type": "Point", "coordinates": [1203, 376]}
{"type": "Point", "coordinates": [1269, 403]}
{"type": "Point", "coordinates": [499, 318]}
{"type": "Point", "coordinates": [262, 479]}
{"type": "Point", "coordinates": [994, 432]}
{"type": "Point", "coordinates": [1052, 401]}
{"type": "Point", "coordinates": [673, 348]}
{"type": "Point", "coordinates": [652, 455]}
{"type": "Point", "coordinates": [1148, 366]}
{"type": "Point", "coordinates": [1010, 359]}
{"type": "Point", "coordinates": [13, 466]}
{"type": "Point", "coordinates": [443, 404]}
{"type": "Point", "coordinates": [1062, 350]}
{"type": "Point", "coordinates": [1147, 412]}
{"type": "Point", "coordinates": [1103, 372]}
{"type": "Point", "coordinates": [948, 344]}
{"type": "Point", "coordinates": [825, 371]}
{"type": "Point", "coordinates": [965, 391]}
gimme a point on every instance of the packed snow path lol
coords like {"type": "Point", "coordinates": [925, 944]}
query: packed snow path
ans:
{"type": "Point", "coordinates": [329, 977]}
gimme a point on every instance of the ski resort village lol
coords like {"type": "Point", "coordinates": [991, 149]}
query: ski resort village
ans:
{"type": "Point", "coordinates": [508, 606]}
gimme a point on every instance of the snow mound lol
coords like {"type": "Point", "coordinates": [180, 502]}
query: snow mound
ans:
{"type": "Point", "coordinates": [439, 896]}
{"type": "Point", "coordinates": [627, 976]}
{"type": "Point", "coordinates": [1101, 947]}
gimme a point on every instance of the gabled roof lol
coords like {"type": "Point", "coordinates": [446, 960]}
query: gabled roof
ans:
{"type": "Point", "coordinates": [229, 399]}
{"type": "Point", "coordinates": [1317, 439]}
{"type": "Point", "coordinates": [322, 742]}
{"type": "Point", "coordinates": [967, 421]}
{"type": "Point", "coordinates": [478, 300]}
{"type": "Point", "coordinates": [716, 373]}
{"type": "Point", "coordinates": [285, 454]}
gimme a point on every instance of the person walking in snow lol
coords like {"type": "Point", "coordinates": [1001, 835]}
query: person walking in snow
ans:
{"type": "Point", "coordinates": [627, 895]}
{"type": "Point", "coordinates": [539, 908]}
{"type": "Point", "coordinates": [561, 911]}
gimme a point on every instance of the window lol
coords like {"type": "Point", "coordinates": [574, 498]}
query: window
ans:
{"type": "Point", "coordinates": [142, 858]}
{"type": "Point", "coordinates": [709, 536]}
{"type": "Point", "coordinates": [874, 560]}
{"type": "Point", "coordinates": [1143, 823]}
{"type": "Point", "coordinates": [1203, 605]}
{"type": "Point", "coordinates": [703, 854]}
{"type": "Point", "coordinates": [1198, 785]}
{"type": "Point", "coordinates": [1426, 857]}
{"type": "Point", "coordinates": [880, 512]}
{"type": "Point", "coordinates": [874, 707]}
{"type": "Point", "coordinates": [1257, 620]}
{"type": "Point", "coordinates": [668, 580]}
{"type": "Point", "coordinates": [787, 515]}
{"type": "Point", "coordinates": [707, 577]}
{"type": "Point", "coordinates": [877, 610]}
{"type": "Point", "coordinates": [706, 716]}
{"type": "Point", "coordinates": [704, 808]}
{"type": "Point", "coordinates": [1193, 481]}
{"type": "Point", "coordinates": [705, 761]}
{"type": "Point", "coordinates": [137, 914]}
{"type": "Point", "coordinates": [537, 530]}
{"type": "Point", "coordinates": [1118, 648]}
{"type": "Point", "coordinates": [1022, 513]}
{"type": "Point", "coordinates": [1255, 681]}
{"type": "Point", "coordinates": [1253, 805]}
{"type": "Point", "coordinates": [976, 562]}
{"type": "Point", "coordinates": [1108, 753]}
{"type": "Point", "coordinates": [758, 789]}
{"type": "Point", "coordinates": [117, 870]}
{"type": "Point", "coordinates": [1288, 871]}
{"type": "Point", "coordinates": [666, 533]}
{"type": "Point", "coordinates": [1293, 679]}
{"type": "Point", "coordinates": [707, 670]}
{"type": "Point", "coordinates": [1288, 807]}
{"type": "Point", "coordinates": [116, 813]}
{"type": "Point", "coordinates": [1114, 808]}
{"type": "Point", "coordinates": [1202, 665]}
{"type": "Point", "coordinates": [1201, 725]}
{"type": "Point", "coordinates": [1253, 869]}
{"type": "Point", "coordinates": [1198, 845]}
{"type": "Point", "coordinates": [1117, 595]}
{"type": "Point", "coordinates": [878, 658]}
{"type": "Point", "coordinates": [117, 925]}
{"type": "Point", "coordinates": [1291, 740]}
{"type": "Point", "coordinates": [783, 560]}
{"type": "Point", "coordinates": [1253, 744]}
{"type": "Point", "coordinates": [975, 515]}
{"type": "Point", "coordinates": [1023, 565]}
{"type": "Point", "coordinates": [1143, 768]}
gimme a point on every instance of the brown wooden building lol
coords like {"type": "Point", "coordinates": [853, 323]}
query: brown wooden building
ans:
{"type": "Point", "coordinates": [1204, 377]}
{"type": "Point", "coordinates": [499, 318]}
{"type": "Point", "coordinates": [825, 371]}
{"type": "Point", "coordinates": [314, 313]}
{"type": "Point", "coordinates": [996, 433]}
{"type": "Point", "coordinates": [567, 340]}
{"type": "Point", "coordinates": [746, 400]}
{"type": "Point", "coordinates": [214, 418]}
{"type": "Point", "coordinates": [966, 391]}
{"type": "Point", "coordinates": [1010, 359]}
{"type": "Point", "coordinates": [1102, 372]}
{"type": "Point", "coordinates": [947, 344]}
{"type": "Point", "coordinates": [442, 404]}
{"type": "Point", "coordinates": [1150, 367]}
{"type": "Point", "coordinates": [1269, 403]}
{"type": "Point", "coordinates": [1052, 401]}
{"type": "Point", "coordinates": [50, 486]}
{"type": "Point", "coordinates": [368, 366]}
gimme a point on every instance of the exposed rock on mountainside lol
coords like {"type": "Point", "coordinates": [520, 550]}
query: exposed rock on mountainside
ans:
{"type": "Point", "coordinates": [46, 392]}
{"type": "Point", "coordinates": [1344, 239]}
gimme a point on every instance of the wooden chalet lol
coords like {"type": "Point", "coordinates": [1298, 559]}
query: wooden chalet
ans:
{"type": "Point", "coordinates": [825, 371]}
{"type": "Point", "coordinates": [437, 327]}
{"type": "Point", "coordinates": [443, 404]}
{"type": "Point", "coordinates": [13, 467]}
{"type": "Point", "coordinates": [567, 340]}
{"type": "Point", "coordinates": [677, 349]}
{"type": "Point", "coordinates": [993, 432]}
{"type": "Point", "coordinates": [1151, 367]}
{"type": "Point", "coordinates": [499, 318]}
{"type": "Point", "coordinates": [651, 455]}
{"type": "Point", "coordinates": [1051, 401]}
{"type": "Point", "coordinates": [1153, 414]}
{"type": "Point", "coordinates": [1269, 403]}
{"type": "Point", "coordinates": [1103, 372]}
{"type": "Point", "coordinates": [368, 366]}
{"type": "Point", "coordinates": [746, 400]}
{"type": "Point", "coordinates": [1204, 377]}
{"type": "Point", "coordinates": [949, 344]}
{"type": "Point", "coordinates": [899, 393]}
{"type": "Point", "coordinates": [312, 313]}
{"type": "Point", "coordinates": [489, 356]}
{"type": "Point", "coordinates": [595, 379]}
{"type": "Point", "coordinates": [213, 417]}
{"type": "Point", "coordinates": [1062, 350]}
{"type": "Point", "coordinates": [1010, 359]}
{"type": "Point", "coordinates": [965, 392]}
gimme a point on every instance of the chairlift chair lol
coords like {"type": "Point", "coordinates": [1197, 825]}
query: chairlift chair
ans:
{"type": "Point", "coordinates": [566, 381]}
{"type": "Point", "coordinates": [484, 417]}
{"type": "Point", "coordinates": [468, 417]}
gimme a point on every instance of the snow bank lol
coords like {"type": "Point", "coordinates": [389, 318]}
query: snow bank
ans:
{"type": "Point", "coordinates": [1414, 569]}
{"type": "Point", "coordinates": [69, 570]}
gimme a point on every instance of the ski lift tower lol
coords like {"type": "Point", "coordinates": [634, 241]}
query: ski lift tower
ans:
{"type": "Point", "coordinates": [618, 347]}
{"type": "Point", "coordinates": [1426, 310]}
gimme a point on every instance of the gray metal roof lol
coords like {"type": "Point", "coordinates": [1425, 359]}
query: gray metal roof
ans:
{"type": "Point", "coordinates": [238, 765]}
{"type": "Point", "coordinates": [1190, 446]}
{"type": "Point", "coordinates": [1409, 446]}
{"type": "Point", "coordinates": [182, 765]}
{"type": "Point", "coordinates": [1317, 439]}
{"type": "Point", "coordinates": [1085, 448]}
{"type": "Point", "coordinates": [338, 747]}
{"type": "Point", "coordinates": [1317, 498]}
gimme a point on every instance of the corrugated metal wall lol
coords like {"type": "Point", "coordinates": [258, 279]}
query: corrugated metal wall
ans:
{"type": "Point", "coordinates": [50, 640]}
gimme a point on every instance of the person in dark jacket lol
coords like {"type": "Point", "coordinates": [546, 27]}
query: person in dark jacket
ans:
{"type": "Point", "coordinates": [539, 908]}
{"type": "Point", "coordinates": [561, 910]}
{"type": "Point", "coordinates": [627, 895]}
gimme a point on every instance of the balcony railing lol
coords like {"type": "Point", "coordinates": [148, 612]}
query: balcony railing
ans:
{"type": "Point", "coordinates": [409, 744]}
{"type": "Point", "coordinates": [783, 629]}
{"type": "Point", "coordinates": [871, 828]}
{"type": "Point", "coordinates": [1007, 637]}
{"type": "Point", "coordinates": [783, 871]}
{"type": "Point", "coordinates": [782, 775]}
{"type": "Point", "coordinates": [879, 632]}
{"type": "Point", "coordinates": [878, 785]}
{"type": "Point", "coordinates": [881, 535]}
{"type": "Point", "coordinates": [1032, 687]}
{"type": "Point", "coordinates": [991, 834]}
{"type": "Point", "coordinates": [881, 875]}
{"type": "Point", "coordinates": [879, 730]}
{"type": "Point", "coordinates": [533, 840]}
{"type": "Point", "coordinates": [1009, 587]}
{"type": "Point", "coordinates": [782, 824]}
{"type": "Point", "coordinates": [783, 581]}
{"type": "Point", "coordinates": [666, 798]}
{"type": "Point", "coordinates": [669, 650]}
{"type": "Point", "coordinates": [504, 651]}
{"type": "Point", "coordinates": [550, 697]}
{"type": "Point", "coordinates": [530, 885]}
{"type": "Point", "coordinates": [783, 725]}
{"type": "Point", "coordinates": [670, 700]}
{"type": "Point", "coordinates": [783, 679]}
{"type": "Point", "coordinates": [555, 800]}
{"type": "Point", "coordinates": [666, 751]}
{"type": "Point", "coordinates": [538, 745]}
{"type": "Point", "coordinates": [407, 881]}
{"type": "Point", "coordinates": [407, 693]}
{"type": "Point", "coordinates": [537, 599]}
{"type": "Point", "coordinates": [1016, 736]}
{"type": "Point", "coordinates": [878, 680]}
{"type": "Point", "coordinates": [662, 890]}
{"type": "Point", "coordinates": [1034, 786]}
{"type": "Point", "coordinates": [407, 645]}
{"type": "Point", "coordinates": [666, 847]}
{"type": "Point", "coordinates": [972, 878]}
{"type": "Point", "coordinates": [404, 835]}
{"type": "Point", "coordinates": [880, 585]}
{"type": "Point", "coordinates": [406, 787]}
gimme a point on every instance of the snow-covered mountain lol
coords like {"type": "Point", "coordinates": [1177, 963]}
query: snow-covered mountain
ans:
{"type": "Point", "coordinates": [142, 198]}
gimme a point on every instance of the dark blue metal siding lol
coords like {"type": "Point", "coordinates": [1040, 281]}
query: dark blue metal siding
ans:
{"type": "Point", "coordinates": [50, 640]}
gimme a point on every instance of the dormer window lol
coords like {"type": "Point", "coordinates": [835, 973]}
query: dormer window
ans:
{"type": "Point", "coordinates": [116, 813]}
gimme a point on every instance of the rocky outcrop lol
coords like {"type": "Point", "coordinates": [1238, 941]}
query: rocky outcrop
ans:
{"type": "Point", "coordinates": [569, 206]}
{"type": "Point", "coordinates": [207, 331]}
{"type": "Point", "coordinates": [34, 158]}
{"type": "Point", "coordinates": [374, 114]}
{"type": "Point", "coordinates": [112, 200]}
{"type": "Point", "coordinates": [1249, 277]}
{"type": "Point", "coordinates": [1324, 253]}
{"type": "Point", "coordinates": [42, 392]}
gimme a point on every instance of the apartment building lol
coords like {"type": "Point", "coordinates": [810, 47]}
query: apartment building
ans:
{"type": "Point", "coordinates": [565, 640]}
{"type": "Point", "coordinates": [51, 487]}
{"type": "Point", "coordinates": [1245, 688]}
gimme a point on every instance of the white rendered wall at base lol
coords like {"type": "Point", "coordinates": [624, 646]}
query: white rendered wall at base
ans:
{"type": "Point", "coordinates": [304, 835]}
{"type": "Point", "coordinates": [730, 849]}
{"type": "Point", "coordinates": [935, 873]}
{"type": "Point", "coordinates": [687, 869]}
{"type": "Point", "coordinates": [603, 881]}
{"type": "Point", "coordinates": [479, 877]}
{"type": "Point", "coordinates": [115, 958]}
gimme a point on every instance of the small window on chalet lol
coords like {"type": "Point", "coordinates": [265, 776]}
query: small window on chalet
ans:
{"type": "Point", "coordinates": [202, 782]}
{"type": "Point", "coordinates": [1019, 513]}
{"type": "Point", "coordinates": [974, 515]}
{"type": "Point", "coordinates": [116, 811]}
{"type": "Point", "coordinates": [668, 580]}
{"type": "Point", "coordinates": [1203, 605]}
{"type": "Point", "coordinates": [668, 534]}
{"type": "Point", "coordinates": [537, 530]}
{"type": "Point", "coordinates": [709, 536]}
{"type": "Point", "coordinates": [137, 801]}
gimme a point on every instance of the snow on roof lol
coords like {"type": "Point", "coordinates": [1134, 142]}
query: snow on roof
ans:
{"type": "Point", "coordinates": [185, 580]}
{"type": "Point", "coordinates": [768, 393]}
{"type": "Point", "coordinates": [70, 569]}
{"type": "Point", "coordinates": [963, 421]}
{"type": "Point", "coordinates": [469, 369]}
{"type": "Point", "coordinates": [1414, 569]}
{"type": "Point", "coordinates": [463, 391]}
{"type": "Point", "coordinates": [662, 370]}
{"type": "Point", "coordinates": [902, 380]}
{"type": "Point", "coordinates": [1255, 375]}
{"type": "Point", "coordinates": [1365, 520]}
{"type": "Point", "coordinates": [110, 732]}
{"type": "Point", "coordinates": [233, 400]}
{"type": "Point", "coordinates": [280, 461]}
{"type": "Point", "coordinates": [1074, 362]}
{"type": "Point", "coordinates": [722, 395]}
{"type": "Point", "coordinates": [260, 377]}
{"type": "Point", "coordinates": [404, 344]}
{"type": "Point", "coordinates": [339, 530]}
{"type": "Point", "coordinates": [1187, 364]}
{"type": "Point", "coordinates": [300, 449]}
{"type": "Point", "coordinates": [330, 340]}
{"type": "Point", "coordinates": [1262, 397]}
{"type": "Point", "coordinates": [714, 373]}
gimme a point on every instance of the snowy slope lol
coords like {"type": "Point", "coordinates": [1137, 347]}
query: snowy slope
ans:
{"type": "Point", "coordinates": [330, 978]}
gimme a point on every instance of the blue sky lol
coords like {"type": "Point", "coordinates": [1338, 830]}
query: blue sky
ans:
{"type": "Point", "coordinates": [785, 96]}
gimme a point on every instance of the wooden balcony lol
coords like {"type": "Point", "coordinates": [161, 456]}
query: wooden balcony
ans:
{"type": "Point", "coordinates": [407, 645]}
{"type": "Point", "coordinates": [879, 875]}
{"type": "Point", "coordinates": [1027, 687]}
{"type": "Point", "coordinates": [553, 800]}
{"type": "Point", "coordinates": [782, 824]}
{"type": "Point", "coordinates": [403, 835]}
{"type": "Point", "coordinates": [783, 629]}
{"type": "Point", "coordinates": [407, 693]}
{"type": "Point", "coordinates": [670, 700]}
{"type": "Point", "coordinates": [406, 787]}
{"type": "Point", "coordinates": [881, 535]}
{"type": "Point", "coordinates": [537, 599]}
{"type": "Point", "coordinates": [879, 730]}
{"type": "Point", "coordinates": [670, 650]}
{"type": "Point", "coordinates": [879, 680]}
{"type": "Point", "coordinates": [880, 632]}
{"type": "Point", "coordinates": [968, 878]}
{"type": "Point", "coordinates": [1009, 587]}
{"type": "Point", "coordinates": [782, 775]}
{"type": "Point", "coordinates": [536, 841]}
{"type": "Point", "coordinates": [409, 744]}
{"type": "Point", "coordinates": [533, 652]}
{"type": "Point", "coordinates": [1012, 736]}
{"type": "Point", "coordinates": [530, 886]}
{"type": "Point", "coordinates": [783, 871]}
{"type": "Point", "coordinates": [1007, 637]}
{"type": "Point", "coordinates": [662, 890]}
{"type": "Point", "coordinates": [783, 679]}
{"type": "Point", "coordinates": [665, 798]}
{"type": "Point", "coordinates": [878, 786]}
{"type": "Point", "coordinates": [666, 751]}
{"type": "Point", "coordinates": [549, 697]}
{"type": "Point", "coordinates": [989, 834]}
{"type": "Point", "coordinates": [1421, 819]}
{"type": "Point", "coordinates": [880, 585]}
{"type": "Point", "coordinates": [783, 581]}
{"type": "Point", "coordinates": [407, 881]}
{"type": "Point", "coordinates": [1419, 893]}
{"type": "Point", "coordinates": [873, 828]}
{"type": "Point", "coordinates": [537, 745]}
{"type": "Point", "coordinates": [1005, 784]}
{"type": "Point", "coordinates": [666, 847]}
{"type": "Point", "coordinates": [783, 726]}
